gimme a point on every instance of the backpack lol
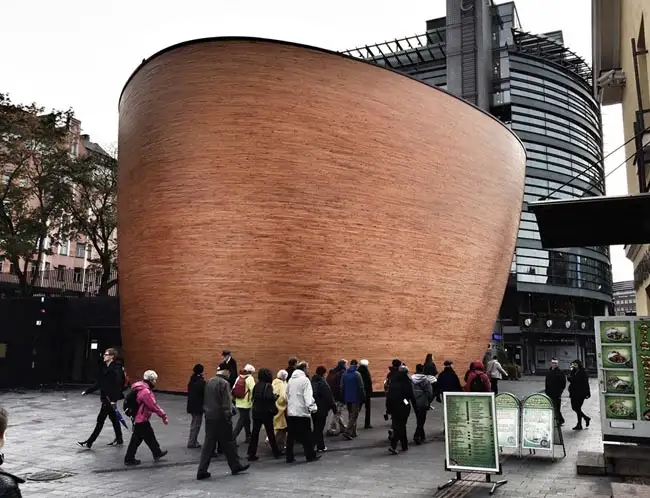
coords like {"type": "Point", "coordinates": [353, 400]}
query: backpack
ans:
{"type": "Point", "coordinates": [477, 385]}
{"type": "Point", "coordinates": [130, 403]}
{"type": "Point", "coordinates": [239, 389]}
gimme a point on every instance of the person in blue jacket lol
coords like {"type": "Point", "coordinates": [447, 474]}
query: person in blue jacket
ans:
{"type": "Point", "coordinates": [353, 395]}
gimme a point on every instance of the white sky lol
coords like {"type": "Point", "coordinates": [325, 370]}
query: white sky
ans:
{"type": "Point", "coordinates": [79, 54]}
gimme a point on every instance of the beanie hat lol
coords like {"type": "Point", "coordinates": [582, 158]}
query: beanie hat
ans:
{"type": "Point", "coordinates": [198, 369]}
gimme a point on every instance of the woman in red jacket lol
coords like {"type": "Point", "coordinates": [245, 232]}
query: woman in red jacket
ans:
{"type": "Point", "coordinates": [476, 380]}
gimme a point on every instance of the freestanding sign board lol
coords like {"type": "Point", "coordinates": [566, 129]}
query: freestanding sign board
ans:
{"type": "Point", "coordinates": [623, 354]}
{"type": "Point", "coordinates": [508, 411]}
{"type": "Point", "coordinates": [537, 425]}
{"type": "Point", "coordinates": [471, 432]}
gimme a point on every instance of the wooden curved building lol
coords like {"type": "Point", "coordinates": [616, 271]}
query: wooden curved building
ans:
{"type": "Point", "coordinates": [281, 200]}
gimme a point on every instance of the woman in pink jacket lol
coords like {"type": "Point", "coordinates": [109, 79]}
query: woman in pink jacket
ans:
{"type": "Point", "coordinates": [142, 430]}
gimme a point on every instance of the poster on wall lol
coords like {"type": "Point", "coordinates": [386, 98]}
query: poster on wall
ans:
{"type": "Point", "coordinates": [470, 432]}
{"type": "Point", "coordinates": [623, 345]}
{"type": "Point", "coordinates": [537, 422]}
{"type": "Point", "coordinates": [508, 410]}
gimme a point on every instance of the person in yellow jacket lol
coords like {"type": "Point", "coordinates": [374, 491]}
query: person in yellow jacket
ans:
{"type": "Point", "coordinates": [242, 393]}
{"type": "Point", "coordinates": [280, 419]}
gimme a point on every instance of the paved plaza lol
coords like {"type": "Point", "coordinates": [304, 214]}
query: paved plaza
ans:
{"type": "Point", "coordinates": [44, 428]}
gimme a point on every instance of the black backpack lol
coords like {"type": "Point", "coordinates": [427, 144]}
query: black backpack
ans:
{"type": "Point", "coordinates": [131, 403]}
{"type": "Point", "coordinates": [477, 385]}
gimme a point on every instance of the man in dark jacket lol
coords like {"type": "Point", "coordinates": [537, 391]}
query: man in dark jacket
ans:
{"type": "Point", "coordinates": [218, 409]}
{"type": "Point", "coordinates": [448, 381]}
{"type": "Point", "coordinates": [555, 385]}
{"type": "Point", "coordinates": [367, 387]}
{"type": "Point", "coordinates": [325, 402]}
{"type": "Point", "coordinates": [334, 381]}
{"type": "Point", "coordinates": [195, 392]}
{"type": "Point", "coordinates": [110, 385]}
{"type": "Point", "coordinates": [399, 400]}
{"type": "Point", "coordinates": [8, 483]}
{"type": "Point", "coordinates": [229, 363]}
{"type": "Point", "coordinates": [353, 395]}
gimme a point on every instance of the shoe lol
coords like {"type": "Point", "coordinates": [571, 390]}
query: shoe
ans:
{"type": "Point", "coordinates": [214, 455]}
{"type": "Point", "coordinates": [392, 450]}
{"type": "Point", "coordinates": [405, 448]}
{"type": "Point", "coordinates": [115, 442]}
{"type": "Point", "coordinates": [85, 444]}
{"type": "Point", "coordinates": [322, 450]}
{"type": "Point", "coordinates": [315, 458]}
{"type": "Point", "coordinates": [204, 474]}
{"type": "Point", "coordinates": [131, 463]}
{"type": "Point", "coordinates": [368, 427]}
{"type": "Point", "coordinates": [291, 460]}
{"type": "Point", "coordinates": [159, 457]}
{"type": "Point", "coordinates": [193, 446]}
{"type": "Point", "coordinates": [242, 468]}
{"type": "Point", "coordinates": [577, 428]}
{"type": "Point", "coordinates": [587, 421]}
{"type": "Point", "coordinates": [253, 458]}
{"type": "Point", "coordinates": [347, 436]}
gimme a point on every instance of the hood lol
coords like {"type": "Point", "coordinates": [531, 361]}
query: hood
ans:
{"type": "Point", "coordinates": [340, 365]}
{"type": "Point", "coordinates": [417, 378]}
{"type": "Point", "coordinates": [141, 385]}
{"type": "Point", "coordinates": [297, 374]}
{"type": "Point", "coordinates": [478, 365]}
{"type": "Point", "coordinates": [317, 378]}
{"type": "Point", "coordinates": [362, 368]}
{"type": "Point", "coordinates": [353, 368]}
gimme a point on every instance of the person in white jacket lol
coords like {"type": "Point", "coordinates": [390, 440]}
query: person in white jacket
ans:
{"type": "Point", "coordinates": [496, 372]}
{"type": "Point", "coordinates": [300, 406]}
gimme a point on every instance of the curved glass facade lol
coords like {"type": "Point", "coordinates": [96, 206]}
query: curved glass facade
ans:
{"type": "Point", "coordinates": [556, 117]}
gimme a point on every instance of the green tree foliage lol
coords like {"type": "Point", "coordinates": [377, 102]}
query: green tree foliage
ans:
{"type": "Point", "coordinates": [34, 157]}
{"type": "Point", "coordinates": [92, 206]}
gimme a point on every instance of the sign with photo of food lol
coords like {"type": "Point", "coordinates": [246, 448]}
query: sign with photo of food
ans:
{"type": "Point", "coordinates": [642, 335]}
{"type": "Point", "coordinates": [619, 382]}
{"type": "Point", "coordinates": [615, 332]}
{"type": "Point", "coordinates": [619, 407]}
{"type": "Point", "coordinates": [617, 357]}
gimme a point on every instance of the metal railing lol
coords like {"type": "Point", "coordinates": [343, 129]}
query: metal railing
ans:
{"type": "Point", "coordinates": [57, 281]}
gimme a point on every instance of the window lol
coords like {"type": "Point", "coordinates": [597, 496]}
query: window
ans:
{"type": "Point", "coordinates": [64, 248]}
{"type": "Point", "coordinates": [48, 268]}
{"type": "Point", "coordinates": [60, 273]}
{"type": "Point", "coordinates": [77, 276]}
{"type": "Point", "coordinates": [81, 250]}
{"type": "Point", "coordinates": [33, 265]}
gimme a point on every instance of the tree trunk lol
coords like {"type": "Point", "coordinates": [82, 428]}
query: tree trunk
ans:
{"type": "Point", "coordinates": [25, 290]}
{"type": "Point", "coordinates": [106, 282]}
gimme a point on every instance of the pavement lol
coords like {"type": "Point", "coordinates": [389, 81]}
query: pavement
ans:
{"type": "Point", "coordinates": [44, 428]}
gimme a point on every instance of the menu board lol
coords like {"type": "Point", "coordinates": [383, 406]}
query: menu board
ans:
{"type": "Point", "coordinates": [470, 432]}
{"type": "Point", "coordinates": [508, 409]}
{"type": "Point", "coordinates": [537, 422]}
{"type": "Point", "coordinates": [624, 374]}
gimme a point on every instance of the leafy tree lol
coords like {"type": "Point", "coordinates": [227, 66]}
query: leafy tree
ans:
{"type": "Point", "coordinates": [34, 155]}
{"type": "Point", "coordinates": [92, 206]}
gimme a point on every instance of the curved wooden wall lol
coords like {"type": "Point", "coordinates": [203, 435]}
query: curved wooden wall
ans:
{"type": "Point", "coordinates": [280, 200]}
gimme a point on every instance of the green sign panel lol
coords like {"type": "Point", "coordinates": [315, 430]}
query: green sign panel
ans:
{"type": "Point", "coordinates": [537, 423]}
{"type": "Point", "coordinates": [642, 333]}
{"type": "Point", "coordinates": [507, 407]}
{"type": "Point", "coordinates": [471, 432]}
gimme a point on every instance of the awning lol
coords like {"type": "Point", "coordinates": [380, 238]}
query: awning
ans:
{"type": "Point", "coordinates": [593, 221]}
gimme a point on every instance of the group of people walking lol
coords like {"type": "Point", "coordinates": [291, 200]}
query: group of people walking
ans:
{"type": "Point", "coordinates": [294, 408]}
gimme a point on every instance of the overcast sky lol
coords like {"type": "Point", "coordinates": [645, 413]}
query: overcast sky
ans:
{"type": "Point", "coordinates": [79, 54]}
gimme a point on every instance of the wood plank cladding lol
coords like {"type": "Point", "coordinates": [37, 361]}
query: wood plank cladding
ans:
{"type": "Point", "coordinates": [279, 200]}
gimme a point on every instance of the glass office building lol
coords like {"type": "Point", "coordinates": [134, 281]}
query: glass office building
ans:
{"type": "Point", "coordinates": [543, 91]}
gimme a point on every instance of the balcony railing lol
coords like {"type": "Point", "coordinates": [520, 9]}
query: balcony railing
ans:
{"type": "Point", "coordinates": [57, 281]}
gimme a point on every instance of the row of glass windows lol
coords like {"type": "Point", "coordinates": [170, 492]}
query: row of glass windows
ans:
{"type": "Point", "coordinates": [581, 125]}
{"type": "Point", "coordinates": [568, 132]}
{"type": "Point", "coordinates": [565, 102]}
{"type": "Point", "coordinates": [544, 254]}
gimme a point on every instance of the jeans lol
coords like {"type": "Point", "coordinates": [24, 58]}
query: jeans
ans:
{"type": "Point", "coordinates": [299, 428]}
{"type": "Point", "coordinates": [319, 419]}
{"type": "Point", "coordinates": [353, 415]}
{"type": "Point", "coordinates": [243, 422]}
{"type": "Point", "coordinates": [142, 432]}
{"type": "Point", "coordinates": [107, 410]}
{"type": "Point", "coordinates": [255, 436]}
{"type": "Point", "coordinates": [195, 427]}
{"type": "Point", "coordinates": [219, 431]}
{"type": "Point", "coordinates": [576, 406]}
{"type": "Point", "coordinates": [421, 418]}
{"type": "Point", "coordinates": [495, 385]}
{"type": "Point", "coordinates": [337, 424]}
